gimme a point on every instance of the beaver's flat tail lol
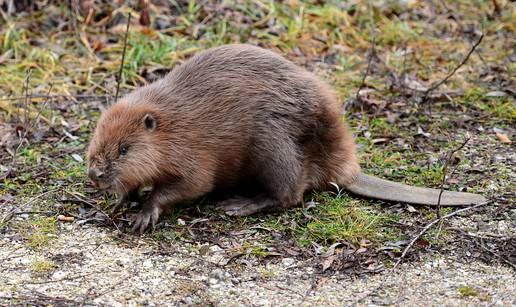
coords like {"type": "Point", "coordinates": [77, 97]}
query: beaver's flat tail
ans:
{"type": "Point", "coordinates": [372, 187]}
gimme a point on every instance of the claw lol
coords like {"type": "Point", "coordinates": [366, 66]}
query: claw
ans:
{"type": "Point", "coordinates": [144, 218]}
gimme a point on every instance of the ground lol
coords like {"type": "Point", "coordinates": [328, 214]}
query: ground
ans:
{"type": "Point", "coordinates": [391, 67]}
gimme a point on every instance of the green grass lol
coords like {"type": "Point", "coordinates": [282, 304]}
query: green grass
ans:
{"type": "Point", "coordinates": [331, 39]}
{"type": "Point", "coordinates": [336, 219]}
{"type": "Point", "coordinates": [395, 32]}
{"type": "Point", "coordinates": [503, 108]}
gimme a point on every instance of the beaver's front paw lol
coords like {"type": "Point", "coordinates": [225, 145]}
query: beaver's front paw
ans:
{"type": "Point", "coordinates": [148, 215]}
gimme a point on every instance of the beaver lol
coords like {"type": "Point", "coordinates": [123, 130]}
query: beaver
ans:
{"type": "Point", "coordinates": [241, 118]}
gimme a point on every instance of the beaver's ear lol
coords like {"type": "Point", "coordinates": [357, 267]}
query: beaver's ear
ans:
{"type": "Point", "coordinates": [149, 122]}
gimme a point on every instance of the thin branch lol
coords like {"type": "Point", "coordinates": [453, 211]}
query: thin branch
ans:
{"type": "Point", "coordinates": [48, 96]}
{"type": "Point", "coordinates": [15, 211]}
{"type": "Point", "coordinates": [466, 58]}
{"type": "Point", "coordinates": [449, 156]}
{"type": "Point", "coordinates": [91, 204]}
{"type": "Point", "coordinates": [427, 227]}
{"type": "Point", "coordinates": [38, 114]}
{"type": "Point", "coordinates": [119, 78]}
{"type": "Point", "coordinates": [371, 55]}
{"type": "Point", "coordinates": [480, 241]}
{"type": "Point", "coordinates": [26, 101]}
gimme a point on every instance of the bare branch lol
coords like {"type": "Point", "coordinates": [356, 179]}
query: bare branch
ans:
{"type": "Point", "coordinates": [371, 55]}
{"type": "Point", "coordinates": [449, 156]}
{"type": "Point", "coordinates": [26, 101]}
{"type": "Point", "coordinates": [466, 58]}
{"type": "Point", "coordinates": [119, 78]}
{"type": "Point", "coordinates": [427, 227]}
{"type": "Point", "coordinates": [48, 96]}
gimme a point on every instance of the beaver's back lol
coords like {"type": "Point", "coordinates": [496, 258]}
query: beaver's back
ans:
{"type": "Point", "coordinates": [237, 103]}
{"type": "Point", "coordinates": [240, 86]}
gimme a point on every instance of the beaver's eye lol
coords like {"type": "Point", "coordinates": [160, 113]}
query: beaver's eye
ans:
{"type": "Point", "coordinates": [122, 150]}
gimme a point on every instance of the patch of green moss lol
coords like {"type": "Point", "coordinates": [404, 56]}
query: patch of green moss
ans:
{"type": "Point", "coordinates": [268, 273]}
{"type": "Point", "coordinates": [40, 232]}
{"type": "Point", "coordinates": [42, 266]}
{"type": "Point", "coordinates": [466, 291]}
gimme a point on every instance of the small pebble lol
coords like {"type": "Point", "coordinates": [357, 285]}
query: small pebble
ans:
{"type": "Point", "coordinates": [288, 262]}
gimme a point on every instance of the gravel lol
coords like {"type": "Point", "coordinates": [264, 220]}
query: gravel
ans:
{"type": "Point", "coordinates": [90, 266]}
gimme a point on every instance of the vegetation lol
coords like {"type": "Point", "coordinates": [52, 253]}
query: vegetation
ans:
{"type": "Point", "coordinates": [70, 71]}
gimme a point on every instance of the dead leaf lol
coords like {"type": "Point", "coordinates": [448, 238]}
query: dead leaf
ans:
{"type": "Point", "coordinates": [361, 250]}
{"type": "Point", "coordinates": [496, 94]}
{"type": "Point", "coordinates": [453, 181]}
{"type": "Point", "coordinates": [328, 262]}
{"type": "Point", "coordinates": [380, 140]}
{"type": "Point", "coordinates": [77, 158]}
{"type": "Point", "coordinates": [422, 243]}
{"type": "Point", "coordinates": [144, 14]}
{"type": "Point", "coordinates": [503, 138]}
{"type": "Point", "coordinates": [420, 131]}
{"type": "Point", "coordinates": [331, 249]}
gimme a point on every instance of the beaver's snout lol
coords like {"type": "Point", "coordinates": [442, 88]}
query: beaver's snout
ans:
{"type": "Point", "coordinates": [95, 174]}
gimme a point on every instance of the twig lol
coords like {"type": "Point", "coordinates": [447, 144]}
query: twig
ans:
{"type": "Point", "coordinates": [73, 20]}
{"type": "Point", "coordinates": [427, 227]}
{"type": "Point", "coordinates": [48, 96]}
{"type": "Point", "coordinates": [26, 101]}
{"type": "Point", "coordinates": [449, 156]}
{"type": "Point", "coordinates": [13, 212]}
{"type": "Point", "coordinates": [466, 58]}
{"type": "Point", "coordinates": [119, 78]}
{"type": "Point", "coordinates": [35, 212]}
{"type": "Point", "coordinates": [371, 55]}
{"type": "Point", "coordinates": [484, 247]}
{"type": "Point", "coordinates": [91, 204]}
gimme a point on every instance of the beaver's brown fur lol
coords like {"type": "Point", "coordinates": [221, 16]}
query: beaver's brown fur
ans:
{"type": "Point", "coordinates": [231, 117]}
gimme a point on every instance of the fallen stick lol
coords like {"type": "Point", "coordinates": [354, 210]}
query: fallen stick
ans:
{"type": "Point", "coordinates": [466, 58]}
{"type": "Point", "coordinates": [427, 227]}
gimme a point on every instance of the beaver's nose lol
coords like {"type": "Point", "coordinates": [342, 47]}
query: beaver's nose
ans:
{"type": "Point", "coordinates": [95, 174]}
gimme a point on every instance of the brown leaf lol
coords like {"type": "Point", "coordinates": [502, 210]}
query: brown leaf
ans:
{"type": "Point", "coordinates": [144, 14]}
{"type": "Point", "coordinates": [422, 243]}
{"type": "Point", "coordinates": [328, 262]}
{"type": "Point", "coordinates": [453, 181]}
{"type": "Point", "coordinates": [361, 250]}
{"type": "Point", "coordinates": [503, 138]}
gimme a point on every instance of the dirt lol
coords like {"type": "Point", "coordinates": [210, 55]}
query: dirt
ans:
{"type": "Point", "coordinates": [93, 268]}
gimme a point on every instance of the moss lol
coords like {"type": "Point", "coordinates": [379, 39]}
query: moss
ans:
{"type": "Point", "coordinates": [268, 273]}
{"type": "Point", "coordinates": [40, 232]}
{"type": "Point", "coordinates": [42, 266]}
{"type": "Point", "coordinates": [466, 291]}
